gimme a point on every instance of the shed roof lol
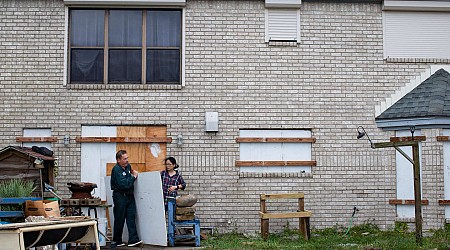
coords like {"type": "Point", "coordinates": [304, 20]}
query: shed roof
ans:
{"type": "Point", "coordinates": [426, 105]}
{"type": "Point", "coordinates": [27, 151]}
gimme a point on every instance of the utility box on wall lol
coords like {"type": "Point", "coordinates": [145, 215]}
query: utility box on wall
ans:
{"type": "Point", "coordinates": [212, 121]}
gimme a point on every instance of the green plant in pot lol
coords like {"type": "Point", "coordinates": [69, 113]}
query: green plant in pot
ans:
{"type": "Point", "coordinates": [15, 188]}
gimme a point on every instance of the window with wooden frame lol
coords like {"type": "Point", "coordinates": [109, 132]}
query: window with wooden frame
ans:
{"type": "Point", "coordinates": [275, 151]}
{"type": "Point", "coordinates": [125, 46]}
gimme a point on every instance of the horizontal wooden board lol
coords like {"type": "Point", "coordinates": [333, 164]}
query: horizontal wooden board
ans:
{"type": "Point", "coordinates": [123, 139]}
{"type": "Point", "coordinates": [140, 167]}
{"type": "Point", "coordinates": [275, 139]}
{"type": "Point", "coordinates": [408, 138]}
{"type": "Point", "coordinates": [274, 163]}
{"type": "Point", "coordinates": [405, 202]}
{"type": "Point", "coordinates": [282, 196]}
{"type": "Point", "coordinates": [394, 144]}
{"type": "Point", "coordinates": [444, 202]}
{"type": "Point", "coordinates": [285, 215]}
{"type": "Point", "coordinates": [36, 139]}
{"type": "Point", "coordinates": [443, 138]}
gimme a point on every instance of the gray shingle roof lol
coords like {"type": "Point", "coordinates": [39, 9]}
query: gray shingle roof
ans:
{"type": "Point", "coordinates": [430, 99]}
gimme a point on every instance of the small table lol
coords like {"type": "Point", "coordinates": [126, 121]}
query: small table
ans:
{"type": "Point", "coordinates": [33, 234]}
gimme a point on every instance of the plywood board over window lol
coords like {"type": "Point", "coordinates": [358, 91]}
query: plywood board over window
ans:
{"type": "Point", "coordinates": [145, 145]}
{"type": "Point", "coordinates": [149, 156]}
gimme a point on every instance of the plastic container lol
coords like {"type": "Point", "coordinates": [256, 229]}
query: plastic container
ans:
{"type": "Point", "coordinates": [102, 227]}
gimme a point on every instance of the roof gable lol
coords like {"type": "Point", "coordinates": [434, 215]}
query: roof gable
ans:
{"type": "Point", "coordinates": [430, 102]}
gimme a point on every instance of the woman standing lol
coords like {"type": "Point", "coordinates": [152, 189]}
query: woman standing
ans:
{"type": "Point", "coordinates": [171, 179]}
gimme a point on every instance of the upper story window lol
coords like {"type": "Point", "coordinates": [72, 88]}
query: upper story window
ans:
{"type": "Point", "coordinates": [283, 20]}
{"type": "Point", "coordinates": [125, 46]}
{"type": "Point", "coordinates": [416, 29]}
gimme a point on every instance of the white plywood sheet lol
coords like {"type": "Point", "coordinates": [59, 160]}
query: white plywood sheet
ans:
{"type": "Point", "coordinates": [447, 173]}
{"type": "Point", "coordinates": [151, 222]}
{"type": "Point", "coordinates": [94, 157]}
{"type": "Point", "coordinates": [405, 177]}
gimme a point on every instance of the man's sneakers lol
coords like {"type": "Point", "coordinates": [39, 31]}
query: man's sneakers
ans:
{"type": "Point", "coordinates": [117, 244]}
{"type": "Point", "coordinates": [135, 243]}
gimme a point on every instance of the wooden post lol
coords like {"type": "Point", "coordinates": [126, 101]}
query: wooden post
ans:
{"type": "Point", "coordinates": [264, 222]}
{"type": "Point", "coordinates": [417, 194]}
{"type": "Point", "coordinates": [301, 221]}
{"type": "Point", "coordinates": [416, 169]}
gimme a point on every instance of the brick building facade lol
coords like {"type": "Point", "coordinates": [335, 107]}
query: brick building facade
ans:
{"type": "Point", "coordinates": [329, 82]}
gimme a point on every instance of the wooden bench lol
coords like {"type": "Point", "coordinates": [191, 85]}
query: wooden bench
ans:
{"type": "Point", "coordinates": [14, 201]}
{"type": "Point", "coordinates": [301, 213]}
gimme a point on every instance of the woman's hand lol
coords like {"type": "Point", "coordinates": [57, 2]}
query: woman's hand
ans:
{"type": "Point", "coordinates": [172, 188]}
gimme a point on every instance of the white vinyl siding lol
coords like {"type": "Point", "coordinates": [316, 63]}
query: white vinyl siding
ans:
{"type": "Point", "coordinates": [416, 34]}
{"type": "Point", "coordinates": [282, 25]}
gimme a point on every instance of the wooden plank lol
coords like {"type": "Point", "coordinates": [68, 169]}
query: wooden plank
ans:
{"type": "Point", "coordinates": [264, 197]}
{"type": "Point", "coordinates": [443, 138]}
{"type": "Point", "coordinates": [392, 144]}
{"type": "Point", "coordinates": [285, 215]}
{"type": "Point", "coordinates": [444, 202]}
{"type": "Point", "coordinates": [125, 139]}
{"type": "Point", "coordinates": [274, 163]}
{"type": "Point", "coordinates": [405, 202]}
{"type": "Point", "coordinates": [138, 166]}
{"type": "Point", "coordinates": [136, 151]}
{"type": "Point", "coordinates": [408, 138]}
{"type": "Point", "coordinates": [155, 152]}
{"type": "Point", "coordinates": [36, 139]}
{"type": "Point", "coordinates": [276, 139]}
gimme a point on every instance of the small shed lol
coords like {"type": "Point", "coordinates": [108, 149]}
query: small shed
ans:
{"type": "Point", "coordinates": [24, 163]}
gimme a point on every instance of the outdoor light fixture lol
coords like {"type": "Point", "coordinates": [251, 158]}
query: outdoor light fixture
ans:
{"type": "Point", "coordinates": [362, 133]}
{"type": "Point", "coordinates": [179, 140]}
{"type": "Point", "coordinates": [66, 140]}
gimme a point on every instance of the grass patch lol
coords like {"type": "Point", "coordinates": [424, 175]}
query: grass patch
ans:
{"type": "Point", "coordinates": [363, 237]}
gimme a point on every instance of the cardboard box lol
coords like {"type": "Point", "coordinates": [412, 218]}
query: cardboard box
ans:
{"type": "Point", "coordinates": [46, 208]}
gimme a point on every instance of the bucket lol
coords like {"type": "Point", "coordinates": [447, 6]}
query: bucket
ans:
{"type": "Point", "coordinates": [102, 227]}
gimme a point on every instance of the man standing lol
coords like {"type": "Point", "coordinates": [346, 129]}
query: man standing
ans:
{"type": "Point", "coordinates": [122, 184]}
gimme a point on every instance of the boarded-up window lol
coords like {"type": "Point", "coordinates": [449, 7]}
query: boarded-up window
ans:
{"type": "Point", "coordinates": [275, 151]}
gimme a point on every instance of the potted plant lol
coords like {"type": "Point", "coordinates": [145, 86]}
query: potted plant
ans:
{"type": "Point", "coordinates": [15, 188]}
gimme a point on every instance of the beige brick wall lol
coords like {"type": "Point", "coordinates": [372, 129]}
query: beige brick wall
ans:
{"type": "Point", "coordinates": [330, 83]}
